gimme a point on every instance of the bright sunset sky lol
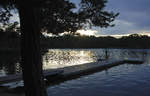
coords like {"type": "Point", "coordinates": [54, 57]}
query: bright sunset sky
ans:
{"type": "Point", "coordinates": [134, 17]}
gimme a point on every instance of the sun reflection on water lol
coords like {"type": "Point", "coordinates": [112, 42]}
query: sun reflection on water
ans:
{"type": "Point", "coordinates": [62, 58]}
{"type": "Point", "coordinates": [58, 58]}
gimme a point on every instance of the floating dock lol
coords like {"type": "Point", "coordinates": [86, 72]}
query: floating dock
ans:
{"type": "Point", "coordinates": [70, 72]}
{"type": "Point", "coordinates": [89, 68]}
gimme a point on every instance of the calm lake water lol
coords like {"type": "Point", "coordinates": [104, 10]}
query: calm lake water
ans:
{"type": "Point", "coordinates": [123, 80]}
{"type": "Point", "coordinates": [57, 58]}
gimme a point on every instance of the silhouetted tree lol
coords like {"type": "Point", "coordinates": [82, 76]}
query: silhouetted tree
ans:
{"type": "Point", "coordinates": [57, 17]}
{"type": "Point", "coordinates": [30, 49]}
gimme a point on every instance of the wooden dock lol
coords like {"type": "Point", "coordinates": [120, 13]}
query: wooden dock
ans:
{"type": "Point", "coordinates": [85, 69]}
{"type": "Point", "coordinates": [73, 71]}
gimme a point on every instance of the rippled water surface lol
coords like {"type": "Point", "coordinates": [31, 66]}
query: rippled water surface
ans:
{"type": "Point", "coordinates": [57, 58]}
{"type": "Point", "coordinates": [123, 80]}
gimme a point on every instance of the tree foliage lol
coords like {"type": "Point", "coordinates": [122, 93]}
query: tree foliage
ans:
{"type": "Point", "coordinates": [58, 16]}
{"type": "Point", "coordinates": [5, 10]}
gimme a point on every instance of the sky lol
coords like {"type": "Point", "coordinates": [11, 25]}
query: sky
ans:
{"type": "Point", "coordinates": [134, 17]}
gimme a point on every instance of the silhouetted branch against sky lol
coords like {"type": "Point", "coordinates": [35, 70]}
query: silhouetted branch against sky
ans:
{"type": "Point", "coordinates": [57, 15]}
{"type": "Point", "coordinates": [133, 18]}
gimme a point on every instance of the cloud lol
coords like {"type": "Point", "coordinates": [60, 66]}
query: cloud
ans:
{"type": "Point", "coordinates": [126, 5]}
{"type": "Point", "coordinates": [87, 32]}
{"type": "Point", "coordinates": [14, 18]}
{"type": "Point", "coordinates": [134, 16]}
{"type": "Point", "coordinates": [122, 28]}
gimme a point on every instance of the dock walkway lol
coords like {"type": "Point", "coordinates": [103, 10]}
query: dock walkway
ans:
{"type": "Point", "coordinates": [88, 68]}
{"type": "Point", "coordinates": [73, 71]}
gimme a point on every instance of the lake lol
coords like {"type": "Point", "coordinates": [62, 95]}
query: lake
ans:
{"type": "Point", "coordinates": [58, 58]}
{"type": "Point", "coordinates": [123, 80]}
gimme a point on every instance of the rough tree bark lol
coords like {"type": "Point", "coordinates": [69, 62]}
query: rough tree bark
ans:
{"type": "Point", "coordinates": [30, 48]}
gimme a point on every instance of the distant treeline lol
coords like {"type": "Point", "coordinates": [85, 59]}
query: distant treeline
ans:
{"type": "Point", "coordinates": [69, 41]}
{"type": "Point", "coordinates": [11, 39]}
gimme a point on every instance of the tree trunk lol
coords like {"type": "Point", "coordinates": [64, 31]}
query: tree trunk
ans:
{"type": "Point", "coordinates": [30, 49]}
